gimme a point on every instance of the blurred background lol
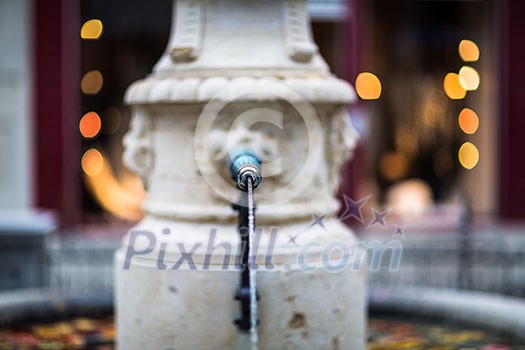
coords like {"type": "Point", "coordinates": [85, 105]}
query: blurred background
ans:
{"type": "Point", "coordinates": [440, 114]}
{"type": "Point", "coordinates": [439, 85]}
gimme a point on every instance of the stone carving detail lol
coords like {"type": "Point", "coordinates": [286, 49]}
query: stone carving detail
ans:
{"type": "Point", "coordinates": [240, 136]}
{"type": "Point", "coordinates": [138, 147]}
{"type": "Point", "coordinates": [343, 139]}
{"type": "Point", "coordinates": [298, 43]}
{"type": "Point", "coordinates": [189, 27]}
{"type": "Point", "coordinates": [172, 89]}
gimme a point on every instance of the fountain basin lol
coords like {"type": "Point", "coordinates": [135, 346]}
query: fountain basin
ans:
{"type": "Point", "coordinates": [424, 317]}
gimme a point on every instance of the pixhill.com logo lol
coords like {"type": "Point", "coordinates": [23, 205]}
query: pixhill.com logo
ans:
{"type": "Point", "coordinates": [213, 253]}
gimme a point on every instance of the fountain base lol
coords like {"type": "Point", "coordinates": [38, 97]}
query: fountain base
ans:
{"type": "Point", "coordinates": [305, 303]}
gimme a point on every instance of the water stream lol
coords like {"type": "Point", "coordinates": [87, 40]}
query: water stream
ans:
{"type": "Point", "coordinates": [253, 282]}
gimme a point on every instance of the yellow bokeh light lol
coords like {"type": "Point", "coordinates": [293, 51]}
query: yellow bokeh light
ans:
{"type": "Point", "coordinates": [468, 155]}
{"type": "Point", "coordinates": [468, 51]}
{"type": "Point", "coordinates": [468, 121]}
{"type": "Point", "coordinates": [393, 166]}
{"type": "Point", "coordinates": [92, 162]}
{"type": "Point", "coordinates": [368, 86]}
{"type": "Point", "coordinates": [92, 29]}
{"type": "Point", "coordinates": [468, 78]}
{"type": "Point", "coordinates": [92, 82]}
{"type": "Point", "coordinates": [453, 88]}
{"type": "Point", "coordinates": [90, 125]}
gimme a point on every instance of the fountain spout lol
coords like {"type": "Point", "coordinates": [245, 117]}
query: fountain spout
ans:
{"type": "Point", "coordinates": [245, 164]}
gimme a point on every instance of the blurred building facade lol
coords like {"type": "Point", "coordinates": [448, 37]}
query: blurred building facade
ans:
{"type": "Point", "coordinates": [65, 65]}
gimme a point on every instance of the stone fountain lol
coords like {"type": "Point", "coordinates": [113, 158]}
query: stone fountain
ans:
{"type": "Point", "coordinates": [239, 74]}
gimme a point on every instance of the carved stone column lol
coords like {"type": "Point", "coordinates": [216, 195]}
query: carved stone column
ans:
{"type": "Point", "coordinates": [239, 74]}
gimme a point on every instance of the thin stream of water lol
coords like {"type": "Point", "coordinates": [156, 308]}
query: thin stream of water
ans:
{"type": "Point", "coordinates": [251, 256]}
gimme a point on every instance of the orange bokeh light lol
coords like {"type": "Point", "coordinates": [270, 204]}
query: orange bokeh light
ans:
{"type": "Point", "coordinates": [122, 198]}
{"type": "Point", "coordinates": [368, 86]}
{"type": "Point", "coordinates": [90, 125]}
{"type": "Point", "coordinates": [393, 166]}
{"type": "Point", "coordinates": [91, 30]}
{"type": "Point", "coordinates": [92, 82]}
{"type": "Point", "coordinates": [468, 121]}
{"type": "Point", "coordinates": [92, 162]}
{"type": "Point", "coordinates": [453, 87]}
{"type": "Point", "coordinates": [468, 51]}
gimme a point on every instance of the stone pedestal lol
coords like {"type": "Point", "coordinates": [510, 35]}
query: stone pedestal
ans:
{"type": "Point", "coordinates": [15, 99]}
{"type": "Point", "coordinates": [23, 231]}
{"type": "Point", "coordinates": [239, 74]}
{"type": "Point", "coordinates": [23, 249]}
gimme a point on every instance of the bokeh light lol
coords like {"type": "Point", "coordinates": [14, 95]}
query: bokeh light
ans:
{"type": "Point", "coordinates": [92, 82]}
{"type": "Point", "coordinates": [123, 198]}
{"type": "Point", "coordinates": [468, 155]}
{"type": "Point", "coordinates": [468, 51]}
{"type": "Point", "coordinates": [92, 29]}
{"type": "Point", "coordinates": [468, 121]}
{"type": "Point", "coordinates": [111, 120]}
{"type": "Point", "coordinates": [90, 125]}
{"type": "Point", "coordinates": [406, 142]}
{"type": "Point", "coordinates": [453, 88]}
{"type": "Point", "coordinates": [92, 162]}
{"type": "Point", "coordinates": [368, 86]}
{"type": "Point", "coordinates": [436, 101]}
{"type": "Point", "coordinates": [468, 78]}
{"type": "Point", "coordinates": [393, 166]}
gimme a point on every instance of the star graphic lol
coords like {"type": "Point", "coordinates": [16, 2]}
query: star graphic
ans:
{"type": "Point", "coordinates": [292, 239]}
{"type": "Point", "coordinates": [399, 231]}
{"type": "Point", "coordinates": [353, 208]}
{"type": "Point", "coordinates": [318, 220]}
{"type": "Point", "coordinates": [379, 217]}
